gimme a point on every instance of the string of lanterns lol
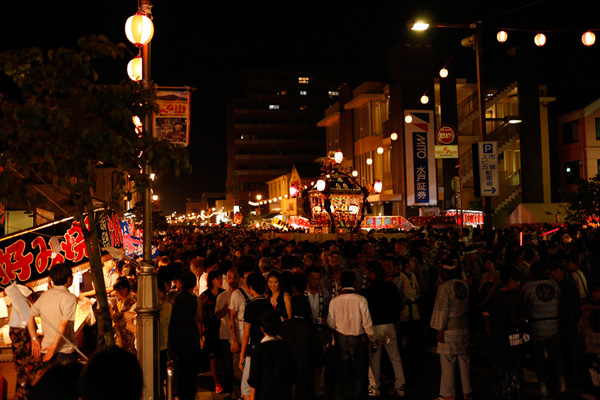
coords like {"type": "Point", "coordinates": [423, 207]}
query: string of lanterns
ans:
{"type": "Point", "coordinates": [588, 39]}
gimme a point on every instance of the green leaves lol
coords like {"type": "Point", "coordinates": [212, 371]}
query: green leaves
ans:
{"type": "Point", "coordinates": [65, 123]}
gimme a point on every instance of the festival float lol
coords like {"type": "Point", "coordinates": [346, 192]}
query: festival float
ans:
{"type": "Point", "coordinates": [336, 201]}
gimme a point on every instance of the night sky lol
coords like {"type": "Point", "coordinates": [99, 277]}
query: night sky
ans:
{"type": "Point", "coordinates": [207, 44]}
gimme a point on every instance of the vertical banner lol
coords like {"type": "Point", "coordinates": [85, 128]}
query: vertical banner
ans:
{"type": "Point", "coordinates": [421, 186]}
{"type": "Point", "coordinates": [172, 122]}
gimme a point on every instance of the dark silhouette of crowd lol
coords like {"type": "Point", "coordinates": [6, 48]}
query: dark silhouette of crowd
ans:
{"type": "Point", "coordinates": [276, 316]}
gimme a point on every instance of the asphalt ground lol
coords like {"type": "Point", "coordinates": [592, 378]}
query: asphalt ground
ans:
{"type": "Point", "coordinates": [423, 376]}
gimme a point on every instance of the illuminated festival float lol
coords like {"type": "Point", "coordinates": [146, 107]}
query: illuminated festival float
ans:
{"type": "Point", "coordinates": [336, 201]}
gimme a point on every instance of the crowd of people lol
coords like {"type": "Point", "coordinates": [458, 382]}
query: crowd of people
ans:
{"type": "Point", "coordinates": [283, 319]}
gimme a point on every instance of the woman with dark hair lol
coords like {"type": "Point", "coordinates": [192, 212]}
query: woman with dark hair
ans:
{"type": "Point", "coordinates": [211, 325]}
{"type": "Point", "coordinates": [280, 299]}
{"type": "Point", "coordinates": [124, 303]}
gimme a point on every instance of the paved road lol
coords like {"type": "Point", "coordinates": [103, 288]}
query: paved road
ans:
{"type": "Point", "coordinates": [423, 379]}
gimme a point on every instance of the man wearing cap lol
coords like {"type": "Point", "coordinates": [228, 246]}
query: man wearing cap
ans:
{"type": "Point", "coordinates": [450, 318]}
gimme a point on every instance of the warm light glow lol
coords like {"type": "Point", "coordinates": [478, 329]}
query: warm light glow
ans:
{"type": "Point", "coordinates": [380, 150]}
{"type": "Point", "coordinates": [424, 99]}
{"type": "Point", "coordinates": [540, 39]}
{"type": "Point", "coordinates": [321, 185]}
{"type": "Point", "coordinates": [259, 197]}
{"type": "Point", "coordinates": [369, 161]}
{"type": "Point", "coordinates": [408, 119]}
{"type": "Point", "coordinates": [355, 173]}
{"type": "Point", "coordinates": [293, 191]}
{"type": "Point", "coordinates": [443, 72]}
{"type": "Point", "coordinates": [338, 157]}
{"type": "Point", "coordinates": [377, 186]}
{"type": "Point", "coordinates": [139, 29]}
{"type": "Point", "coordinates": [394, 136]}
{"type": "Point", "coordinates": [136, 120]}
{"type": "Point", "coordinates": [502, 36]}
{"type": "Point", "coordinates": [154, 197]}
{"type": "Point", "coordinates": [134, 69]}
{"type": "Point", "coordinates": [420, 26]}
{"type": "Point", "coordinates": [588, 38]}
{"type": "Point", "coordinates": [152, 176]}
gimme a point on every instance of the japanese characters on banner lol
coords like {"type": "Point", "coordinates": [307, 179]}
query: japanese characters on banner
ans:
{"type": "Point", "coordinates": [29, 255]}
{"type": "Point", "coordinates": [133, 242]}
{"type": "Point", "coordinates": [172, 121]}
{"type": "Point", "coordinates": [421, 187]}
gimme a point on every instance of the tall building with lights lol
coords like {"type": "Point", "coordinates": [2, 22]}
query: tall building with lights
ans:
{"type": "Point", "coordinates": [273, 124]}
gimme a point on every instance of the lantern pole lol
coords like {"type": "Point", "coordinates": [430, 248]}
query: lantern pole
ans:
{"type": "Point", "coordinates": [148, 308]}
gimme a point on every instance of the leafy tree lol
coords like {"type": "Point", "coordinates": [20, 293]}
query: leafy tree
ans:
{"type": "Point", "coordinates": [59, 122]}
{"type": "Point", "coordinates": [584, 204]}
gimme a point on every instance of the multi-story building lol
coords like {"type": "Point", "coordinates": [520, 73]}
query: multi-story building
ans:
{"type": "Point", "coordinates": [367, 124]}
{"type": "Point", "coordinates": [274, 124]}
{"type": "Point", "coordinates": [579, 138]}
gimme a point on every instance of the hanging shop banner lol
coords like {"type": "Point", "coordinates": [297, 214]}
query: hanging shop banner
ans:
{"type": "Point", "coordinates": [172, 122]}
{"type": "Point", "coordinates": [133, 242]}
{"type": "Point", "coordinates": [28, 255]}
{"type": "Point", "coordinates": [421, 186]}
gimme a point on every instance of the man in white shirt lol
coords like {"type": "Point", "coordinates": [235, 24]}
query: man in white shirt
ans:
{"type": "Point", "coordinates": [56, 308]}
{"type": "Point", "coordinates": [350, 319]}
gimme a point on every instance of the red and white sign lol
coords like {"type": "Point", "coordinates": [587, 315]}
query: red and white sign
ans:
{"type": "Point", "coordinates": [446, 135]}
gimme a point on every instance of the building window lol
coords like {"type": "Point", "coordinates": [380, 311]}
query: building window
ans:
{"type": "Point", "coordinates": [273, 106]}
{"type": "Point", "coordinates": [303, 93]}
{"type": "Point", "coordinates": [571, 172]}
{"type": "Point", "coordinates": [334, 93]}
{"type": "Point", "coordinates": [303, 79]}
{"type": "Point", "coordinates": [570, 132]}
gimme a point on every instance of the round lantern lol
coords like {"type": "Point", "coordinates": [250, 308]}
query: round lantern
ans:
{"type": "Point", "coordinates": [139, 29]}
{"type": "Point", "coordinates": [540, 39]}
{"type": "Point", "coordinates": [377, 186]}
{"type": "Point", "coordinates": [443, 73]}
{"type": "Point", "coordinates": [588, 38]}
{"type": "Point", "coordinates": [369, 161]}
{"type": "Point", "coordinates": [134, 69]}
{"type": "Point", "coordinates": [380, 150]}
{"type": "Point", "coordinates": [394, 136]}
{"type": "Point", "coordinates": [424, 99]}
{"type": "Point", "coordinates": [355, 173]}
{"type": "Point", "coordinates": [321, 185]}
{"type": "Point", "coordinates": [502, 36]}
{"type": "Point", "coordinates": [408, 119]}
{"type": "Point", "coordinates": [338, 157]}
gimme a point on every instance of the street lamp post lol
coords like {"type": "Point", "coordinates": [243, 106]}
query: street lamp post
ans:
{"type": "Point", "coordinates": [477, 44]}
{"type": "Point", "coordinates": [148, 307]}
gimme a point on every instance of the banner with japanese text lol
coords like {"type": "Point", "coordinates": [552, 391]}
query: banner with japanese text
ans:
{"type": "Point", "coordinates": [172, 121]}
{"type": "Point", "coordinates": [421, 182]}
{"type": "Point", "coordinates": [28, 255]}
